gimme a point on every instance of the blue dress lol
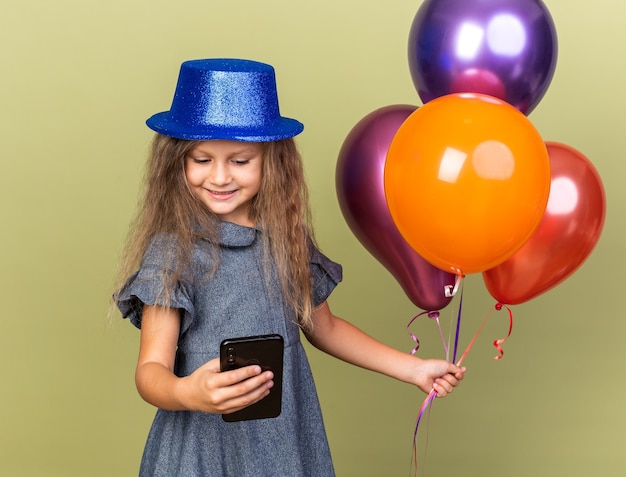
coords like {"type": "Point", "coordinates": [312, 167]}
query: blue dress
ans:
{"type": "Point", "coordinates": [239, 300]}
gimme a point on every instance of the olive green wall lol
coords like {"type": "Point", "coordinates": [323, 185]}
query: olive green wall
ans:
{"type": "Point", "coordinates": [78, 79]}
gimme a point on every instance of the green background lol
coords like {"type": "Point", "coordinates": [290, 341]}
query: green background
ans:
{"type": "Point", "coordinates": [78, 80]}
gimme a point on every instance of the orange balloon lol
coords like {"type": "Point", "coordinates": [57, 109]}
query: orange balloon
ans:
{"type": "Point", "coordinates": [467, 179]}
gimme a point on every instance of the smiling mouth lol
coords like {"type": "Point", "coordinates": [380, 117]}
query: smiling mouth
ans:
{"type": "Point", "coordinates": [222, 194]}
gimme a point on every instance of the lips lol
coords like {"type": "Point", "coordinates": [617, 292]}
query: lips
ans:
{"type": "Point", "coordinates": [222, 194]}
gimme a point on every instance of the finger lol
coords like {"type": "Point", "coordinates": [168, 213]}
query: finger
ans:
{"type": "Point", "coordinates": [212, 365]}
{"type": "Point", "coordinates": [251, 386]}
{"type": "Point", "coordinates": [450, 378]}
{"type": "Point", "coordinates": [239, 375]}
{"type": "Point", "coordinates": [440, 390]}
{"type": "Point", "coordinates": [232, 384]}
{"type": "Point", "coordinates": [442, 387]}
{"type": "Point", "coordinates": [456, 370]}
{"type": "Point", "coordinates": [241, 401]}
{"type": "Point", "coordinates": [231, 393]}
{"type": "Point", "coordinates": [460, 373]}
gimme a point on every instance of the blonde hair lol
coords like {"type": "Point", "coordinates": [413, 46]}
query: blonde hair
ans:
{"type": "Point", "coordinates": [280, 209]}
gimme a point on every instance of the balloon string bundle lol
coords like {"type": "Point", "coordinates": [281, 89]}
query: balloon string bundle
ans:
{"type": "Point", "coordinates": [427, 403]}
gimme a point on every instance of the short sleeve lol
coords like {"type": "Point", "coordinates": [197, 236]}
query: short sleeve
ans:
{"type": "Point", "coordinates": [326, 275]}
{"type": "Point", "coordinates": [146, 287]}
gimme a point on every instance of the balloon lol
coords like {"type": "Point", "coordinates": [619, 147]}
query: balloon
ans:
{"type": "Point", "coordinates": [567, 234]}
{"type": "Point", "coordinates": [360, 190]}
{"type": "Point", "coordinates": [467, 179]}
{"type": "Point", "coordinates": [504, 48]}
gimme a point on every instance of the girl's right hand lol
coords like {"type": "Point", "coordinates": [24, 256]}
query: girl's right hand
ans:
{"type": "Point", "coordinates": [206, 389]}
{"type": "Point", "coordinates": [209, 390]}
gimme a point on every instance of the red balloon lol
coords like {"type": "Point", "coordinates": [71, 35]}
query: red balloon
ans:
{"type": "Point", "coordinates": [567, 233]}
{"type": "Point", "coordinates": [361, 194]}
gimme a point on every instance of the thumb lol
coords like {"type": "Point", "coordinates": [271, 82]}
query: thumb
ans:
{"type": "Point", "coordinates": [458, 371]}
{"type": "Point", "coordinates": [212, 365]}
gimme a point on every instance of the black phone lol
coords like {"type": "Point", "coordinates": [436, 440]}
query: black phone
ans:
{"type": "Point", "coordinates": [265, 351]}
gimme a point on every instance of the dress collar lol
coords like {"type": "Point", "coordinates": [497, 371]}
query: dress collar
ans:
{"type": "Point", "coordinates": [233, 235]}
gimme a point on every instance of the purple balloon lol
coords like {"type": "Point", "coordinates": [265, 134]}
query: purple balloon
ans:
{"type": "Point", "coordinates": [361, 193]}
{"type": "Point", "coordinates": [504, 48]}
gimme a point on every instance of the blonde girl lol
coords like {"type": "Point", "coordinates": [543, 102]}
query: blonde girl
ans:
{"type": "Point", "coordinates": [222, 247]}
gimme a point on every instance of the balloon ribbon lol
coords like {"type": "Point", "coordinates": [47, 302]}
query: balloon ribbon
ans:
{"type": "Point", "coordinates": [433, 394]}
{"type": "Point", "coordinates": [433, 315]}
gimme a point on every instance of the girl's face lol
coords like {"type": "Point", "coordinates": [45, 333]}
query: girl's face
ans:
{"type": "Point", "coordinates": [226, 176]}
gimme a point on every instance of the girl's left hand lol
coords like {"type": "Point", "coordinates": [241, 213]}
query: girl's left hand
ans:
{"type": "Point", "coordinates": [438, 375]}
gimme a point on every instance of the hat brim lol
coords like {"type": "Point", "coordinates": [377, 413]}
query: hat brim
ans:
{"type": "Point", "coordinates": [164, 124]}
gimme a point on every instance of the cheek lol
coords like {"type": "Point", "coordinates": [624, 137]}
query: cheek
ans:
{"type": "Point", "coordinates": [254, 186]}
{"type": "Point", "coordinates": [192, 175]}
{"type": "Point", "coordinates": [254, 179]}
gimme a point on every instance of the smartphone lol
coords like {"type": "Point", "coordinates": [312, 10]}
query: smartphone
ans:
{"type": "Point", "coordinates": [265, 351]}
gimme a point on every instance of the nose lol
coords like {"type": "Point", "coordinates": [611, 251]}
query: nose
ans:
{"type": "Point", "coordinates": [220, 173]}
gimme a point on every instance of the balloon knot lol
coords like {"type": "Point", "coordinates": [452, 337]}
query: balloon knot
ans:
{"type": "Point", "coordinates": [433, 315]}
{"type": "Point", "coordinates": [498, 306]}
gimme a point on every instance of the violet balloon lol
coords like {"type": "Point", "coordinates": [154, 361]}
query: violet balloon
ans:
{"type": "Point", "coordinates": [361, 194]}
{"type": "Point", "coordinates": [503, 48]}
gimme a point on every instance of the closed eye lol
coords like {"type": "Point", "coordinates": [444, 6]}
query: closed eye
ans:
{"type": "Point", "coordinates": [200, 160]}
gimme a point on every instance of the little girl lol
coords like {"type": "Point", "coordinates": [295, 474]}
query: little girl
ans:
{"type": "Point", "coordinates": [222, 248]}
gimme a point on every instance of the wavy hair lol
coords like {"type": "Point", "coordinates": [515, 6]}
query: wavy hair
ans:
{"type": "Point", "coordinates": [280, 209]}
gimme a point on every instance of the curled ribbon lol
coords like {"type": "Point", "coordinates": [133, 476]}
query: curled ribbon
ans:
{"type": "Point", "coordinates": [433, 394]}
{"type": "Point", "coordinates": [433, 315]}
{"type": "Point", "coordinates": [497, 343]}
